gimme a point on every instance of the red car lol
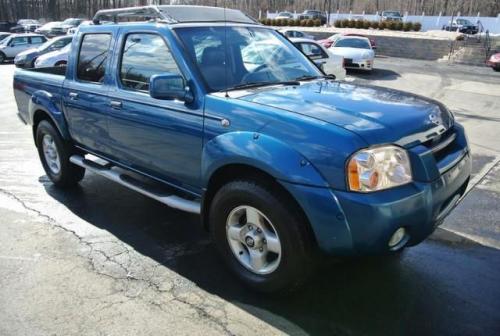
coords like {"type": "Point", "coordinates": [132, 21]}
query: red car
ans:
{"type": "Point", "coordinates": [494, 61]}
{"type": "Point", "coordinates": [327, 43]}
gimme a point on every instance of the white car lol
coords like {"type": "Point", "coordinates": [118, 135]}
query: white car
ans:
{"type": "Point", "coordinates": [16, 43]}
{"type": "Point", "coordinates": [296, 33]}
{"type": "Point", "coordinates": [357, 52]}
{"type": "Point", "coordinates": [54, 58]}
{"type": "Point", "coordinates": [330, 63]}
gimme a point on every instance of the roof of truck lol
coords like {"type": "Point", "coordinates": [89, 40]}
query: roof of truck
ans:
{"type": "Point", "coordinates": [175, 14]}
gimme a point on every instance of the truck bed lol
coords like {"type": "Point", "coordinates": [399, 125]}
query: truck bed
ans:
{"type": "Point", "coordinates": [40, 80]}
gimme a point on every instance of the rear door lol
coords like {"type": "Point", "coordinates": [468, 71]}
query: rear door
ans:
{"type": "Point", "coordinates": [160, 137]}
{"type": "Point", "coordinates": [84, 94]}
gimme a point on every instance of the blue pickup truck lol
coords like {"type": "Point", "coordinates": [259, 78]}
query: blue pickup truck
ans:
{"type": "Point", "coordinates": [207, 111]}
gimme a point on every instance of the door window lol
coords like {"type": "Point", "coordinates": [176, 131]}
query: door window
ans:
{"type": "Point", "coordinates": [37, 40]}
{"type": "Point", "coordinates": [92, 58]}
{"type": "Point", "coordinates": [19, 41]}
{"type": "Point", "coordinates": [145, 55]}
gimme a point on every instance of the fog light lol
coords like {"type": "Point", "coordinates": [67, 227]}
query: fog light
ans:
{"type": "Point", "coordinates": [397, 237]}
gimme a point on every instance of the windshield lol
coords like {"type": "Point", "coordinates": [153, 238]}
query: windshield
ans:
{"type": "Point", "coordinates": [5, 41]}
{"type": "Point", "coordinates": [253, 56]}
{"type": "Point", "coordinates": [71, 22]}
{"type": "Point", "coordinates": [285, 14]}
{"type": "Point", "coordinates": [392, 14]}
{"type": "Point", "coordinates": [353, 43]}
{"type": "Point", "coordinates": [463, 22]}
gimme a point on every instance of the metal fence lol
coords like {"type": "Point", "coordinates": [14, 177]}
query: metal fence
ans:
{"type": "Point", "coordinates": [428, 22]}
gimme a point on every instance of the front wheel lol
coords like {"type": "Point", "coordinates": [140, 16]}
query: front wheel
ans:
{"type": "Point", "coordinates": [2, 57]}
{"type": "Point", "coordinates": [54, 154]}
{"type": "Point", "coordinates": [261, 236]}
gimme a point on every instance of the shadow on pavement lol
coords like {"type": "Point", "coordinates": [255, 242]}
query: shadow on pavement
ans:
{"type": "Point", "coordinates": [375, 74]}
{"type": "Point", "coordinates": [438, 287]}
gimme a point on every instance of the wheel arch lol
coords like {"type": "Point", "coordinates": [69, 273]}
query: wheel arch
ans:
{"type": "Point", "coordinates": [225, 174]}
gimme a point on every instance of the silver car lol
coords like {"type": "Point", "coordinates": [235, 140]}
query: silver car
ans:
{"type": "Point", "coordinates": [16, 43]}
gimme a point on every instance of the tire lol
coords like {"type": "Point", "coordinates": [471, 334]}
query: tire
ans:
{"type": "Point", "coordinates": [286, 271]}
{"type": "Point", "coordinates": [497, 68]}
{"type": "Point", "coordinates": [2, 57]}
{"type": "Point", "coordinates": [54, 154]}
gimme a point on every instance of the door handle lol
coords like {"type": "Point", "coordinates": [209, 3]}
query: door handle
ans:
{"type": "Point", "coordinates": [115, 104]}
{"type": "Point", "coordinates": [73, 95]}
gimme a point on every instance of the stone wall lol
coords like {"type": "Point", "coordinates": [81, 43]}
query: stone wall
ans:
{"type": "Point", "coordinates": [415, 48]}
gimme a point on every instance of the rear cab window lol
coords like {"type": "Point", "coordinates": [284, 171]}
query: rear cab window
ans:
{"type": "Point", "coordinates": [92, 57]}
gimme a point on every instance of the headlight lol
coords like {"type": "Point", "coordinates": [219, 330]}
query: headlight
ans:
{"type": "Point", "coordinates": [378, 168]}
{"type": "Point", "coordinates": [19, 58]}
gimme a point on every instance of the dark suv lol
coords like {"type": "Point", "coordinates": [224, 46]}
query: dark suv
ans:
{"type": "Point", "coordinates": [313, 14]}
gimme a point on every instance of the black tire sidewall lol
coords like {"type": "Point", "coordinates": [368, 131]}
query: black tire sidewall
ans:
{"type": "Point", "coordinates": [293, 264]}
{"type": "Point", "coordinates": [69, 173]}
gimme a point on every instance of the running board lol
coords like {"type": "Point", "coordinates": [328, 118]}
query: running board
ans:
{"type": "Point", "coordinates": [105, 170]}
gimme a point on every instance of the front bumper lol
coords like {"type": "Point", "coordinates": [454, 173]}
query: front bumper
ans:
{"type": "Point", "coordinates": [349, 223]}
{"type": "Point", "coordinates": [359, 64]}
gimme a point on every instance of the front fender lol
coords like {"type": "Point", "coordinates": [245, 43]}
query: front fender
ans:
{"type": "Point", "coordinates": [46, 102]}
{"type": "Point", "coordinates": [260, 151]}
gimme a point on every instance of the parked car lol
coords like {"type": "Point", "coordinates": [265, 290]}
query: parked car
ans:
{"type": "Point", "coordinates": [46, 29]}
{"type": "Point", "coordinates": [66, 25]}
{"type": "Point", "coordinates": [330, 63]}
{"type": "Point", "coordinates": [280, 162]}
{"type": "Point", "coordinates": [327, 43]}
{"type": "Point", "coordinates": [4, 36]}
{"type": "Point", "coordinates": [462, 25]}
{"type": "Point", "coordinates": [5, 26]}
{"type": "Point", "coordinates": [494, 62]}
{"type": "Point", "coordinates": [73, 30]}
{"type": "Point", "coordinates": [25, 26]}
{"type": "Point", "coordinates": [27, 58]}
{"type": "Point", "coordinates": [296, 33]}
{"type": "Point", "coordinates": [16, 43]}
{"type": "Point", "coordinates": [391, 15]}
{"type": "Point", "coordinates": [313, 14]}
{"type": "Point", "coordinates": [357, 52]}
{"type": "Point", "coordinates": [284, 15]}
{"type": "Point", "coordinates": [54, 58]}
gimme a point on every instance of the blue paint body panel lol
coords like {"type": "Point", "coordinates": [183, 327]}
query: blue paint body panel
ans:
{"type": "Point", "coordinates": [302, 135]}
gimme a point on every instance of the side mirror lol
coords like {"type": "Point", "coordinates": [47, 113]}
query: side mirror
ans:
{"type": "Point", "coordinates": [169, 86]}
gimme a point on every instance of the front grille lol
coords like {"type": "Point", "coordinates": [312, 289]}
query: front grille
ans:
{"type": "Point", "coordinates": [444, 147]}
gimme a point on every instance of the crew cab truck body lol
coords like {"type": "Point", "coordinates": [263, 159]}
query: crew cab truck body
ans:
{"type": "Point", "coordinates": [279, 160]}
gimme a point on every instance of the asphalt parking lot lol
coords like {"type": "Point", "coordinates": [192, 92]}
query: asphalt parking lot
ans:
{"type": "Point", "coordinates": [103, 260]}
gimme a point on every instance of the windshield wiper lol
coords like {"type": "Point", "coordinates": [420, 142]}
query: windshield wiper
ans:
{"type": "Point", "coordinates": [307, 77]}
{"type": "Point", "coordinates": [259, 84]}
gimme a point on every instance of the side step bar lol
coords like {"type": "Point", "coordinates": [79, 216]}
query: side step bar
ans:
{"type": "Point", "coordinates": [105, 170]}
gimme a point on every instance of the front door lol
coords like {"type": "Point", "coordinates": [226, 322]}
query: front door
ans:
{"type": "Point", "coordinates": [160, 137]}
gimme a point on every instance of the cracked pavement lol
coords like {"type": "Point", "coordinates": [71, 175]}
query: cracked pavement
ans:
{"type": "Point", "coordinates": [104, 260]}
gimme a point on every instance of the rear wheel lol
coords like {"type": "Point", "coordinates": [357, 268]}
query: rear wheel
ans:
{"type": "Point", "coordinates": [2, 57]}
{"type": "Point", "coordinates": [496, 68]}
{"type": "Point", "coordinates": [261, 236]}
{"type": "Point", "coordinates": [54, 154]}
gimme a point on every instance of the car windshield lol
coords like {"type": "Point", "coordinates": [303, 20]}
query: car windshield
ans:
{"type": "Point", "coordinates": [52, 42]}
{"type": "Point", "coordinates": [5, 41]}
{"type": "Point", "coordinates": [392, 14]}
{"type": "Point", "coordinates": [285, 14]}
{"type": "Point", "coordinates": [353, 43]}
{"type": "Point", "coordinates": [254, 56]}
{"type": "Point", "coordinates": [463, 22]}
{"type": "Point", "coordinates": [71, 22]}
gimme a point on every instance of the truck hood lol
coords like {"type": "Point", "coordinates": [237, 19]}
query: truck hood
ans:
{"type": "Point", "coordinates": [376, 114]}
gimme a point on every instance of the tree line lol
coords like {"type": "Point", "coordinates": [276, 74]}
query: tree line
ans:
{"type": "Point", "coordinates": [52, 10]}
